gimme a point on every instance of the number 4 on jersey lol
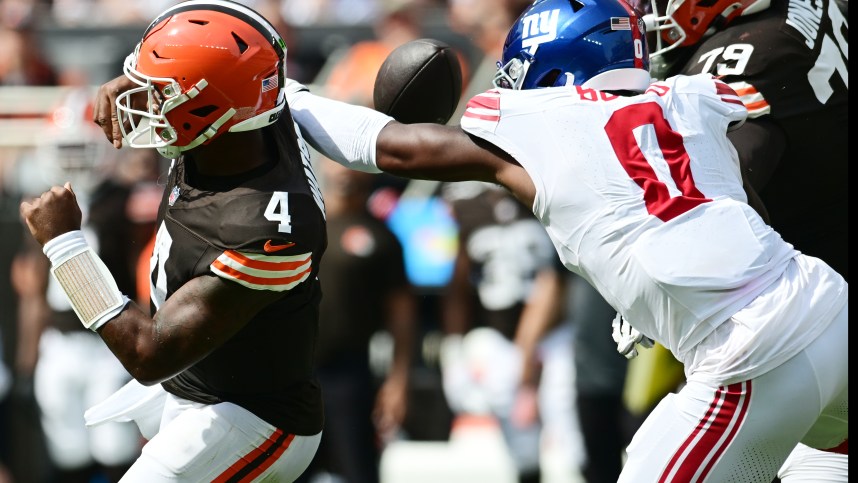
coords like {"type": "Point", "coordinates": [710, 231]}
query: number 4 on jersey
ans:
{"type": "Point", "coordinates": [278, 210]}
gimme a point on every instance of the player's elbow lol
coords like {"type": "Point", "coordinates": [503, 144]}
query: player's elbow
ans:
{"type": "Point", "coordinates": [148, 364]}
{"type": "Point", "coordinates": [148, 371]}
{"type": "Point", "coordinates": [151, 374]}
{"type": "Point", "coordinates": [149, 381]}
{"type": "Point", "coordinates": [144, 372]}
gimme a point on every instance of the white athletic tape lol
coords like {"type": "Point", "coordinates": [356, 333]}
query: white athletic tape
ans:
{"type": "Point", "coordinates": [85, 279]}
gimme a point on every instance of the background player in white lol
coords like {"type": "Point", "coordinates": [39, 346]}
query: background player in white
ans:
{"type": "Point", "coordinates": [641, 192]}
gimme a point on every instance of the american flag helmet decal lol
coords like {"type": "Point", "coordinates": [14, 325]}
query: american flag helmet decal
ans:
{"type": "Point", "coordinates": [620, 23]}
{"type": "Point", "coordinates": [269, 83]}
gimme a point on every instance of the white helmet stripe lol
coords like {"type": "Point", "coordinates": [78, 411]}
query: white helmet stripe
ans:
{"type": "Point", "coordinates": [222, 5]}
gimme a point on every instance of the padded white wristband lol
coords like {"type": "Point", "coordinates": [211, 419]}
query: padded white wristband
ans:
{"type": "Point", "coordinates": [343, 132]}
{"type": "Point", "coordinates": [85, 279]}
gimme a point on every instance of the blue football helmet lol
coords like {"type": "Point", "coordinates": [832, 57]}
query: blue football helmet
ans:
{"type": "Point", "coordinates": [599, 44]}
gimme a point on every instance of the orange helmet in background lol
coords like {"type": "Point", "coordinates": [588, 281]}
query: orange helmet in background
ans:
{"type": "Point", "coordinates": [683, 23]}
{"type": "Point", "coordinates": [206, 68]}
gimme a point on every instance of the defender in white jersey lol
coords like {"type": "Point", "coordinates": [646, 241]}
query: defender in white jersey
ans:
{"type": "Point", "coordinates": [640, 190]}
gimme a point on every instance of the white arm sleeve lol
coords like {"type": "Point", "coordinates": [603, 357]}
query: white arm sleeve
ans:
{"type": "Point", "coordinates": [343, 132]}
{"type": "Point", "coordinates": [85, 279]}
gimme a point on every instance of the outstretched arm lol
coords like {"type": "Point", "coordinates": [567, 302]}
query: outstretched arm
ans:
{"type": "Point", "coordinates": [432, 151]}
{"type": "Point", "coordinates": [448, 153]}
{"type": "Point", "coordinates": [363, 139]}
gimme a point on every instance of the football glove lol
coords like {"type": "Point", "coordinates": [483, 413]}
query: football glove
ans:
{"type": "Point", "coordinates": [627, 338]}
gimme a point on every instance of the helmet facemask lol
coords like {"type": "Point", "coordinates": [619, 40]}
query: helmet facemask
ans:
{"type": "Point", "coordinates": [512, 74]}
{"type": "Point", "coordinates": [150, 128]}
{"type": "Point", "coordinates": [684, 22]}
{"type": "Point", "coordinates": [661, 24]}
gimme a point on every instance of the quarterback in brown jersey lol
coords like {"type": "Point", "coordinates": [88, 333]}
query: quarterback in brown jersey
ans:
{"type": "Point", "coordinates": [223, 383]}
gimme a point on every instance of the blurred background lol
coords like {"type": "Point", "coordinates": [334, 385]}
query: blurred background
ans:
{"type": "Point", "coordinates": [456, 422]}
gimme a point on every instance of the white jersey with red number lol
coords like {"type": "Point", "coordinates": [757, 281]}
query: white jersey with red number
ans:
{"type": "Point", "coordinates": [642, 196]}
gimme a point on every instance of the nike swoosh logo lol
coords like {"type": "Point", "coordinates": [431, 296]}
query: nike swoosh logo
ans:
{"type": "Point", "coordinates": [271, 248]}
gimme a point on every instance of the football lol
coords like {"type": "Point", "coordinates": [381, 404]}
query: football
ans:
{"type": "Point", "coordinates": [420, 81]}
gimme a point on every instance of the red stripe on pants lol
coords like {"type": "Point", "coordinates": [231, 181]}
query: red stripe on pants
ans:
{"type": "Point", "coordinates": [711, 437]}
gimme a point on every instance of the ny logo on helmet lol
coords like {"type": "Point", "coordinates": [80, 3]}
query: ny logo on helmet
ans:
{"type": "Point", "coordinates": [539, 28]}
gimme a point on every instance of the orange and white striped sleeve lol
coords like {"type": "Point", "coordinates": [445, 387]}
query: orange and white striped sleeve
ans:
{"type": "Point", "coordinates": [752, 98]}
{"type": "Point", "coordinates": [263, 272]}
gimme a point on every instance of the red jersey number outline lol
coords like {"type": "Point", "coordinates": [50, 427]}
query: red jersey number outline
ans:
{"type": "Point", "coordinates": [656, 195]}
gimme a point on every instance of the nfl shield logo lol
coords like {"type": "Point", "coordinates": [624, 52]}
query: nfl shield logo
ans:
{"type": "Point", "coordinates": [174, 195]}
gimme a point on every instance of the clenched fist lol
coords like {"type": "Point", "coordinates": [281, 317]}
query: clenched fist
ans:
{"type": "Point", "coordinates": [53, 213]}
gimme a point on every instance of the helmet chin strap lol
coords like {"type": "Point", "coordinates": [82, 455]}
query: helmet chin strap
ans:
{"type": "Point", "coordinates": [260, 120]}
{"type": "Point", "coordinates": [173, 152]}
{"type": "Point", "coordinates": [170, 152]}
